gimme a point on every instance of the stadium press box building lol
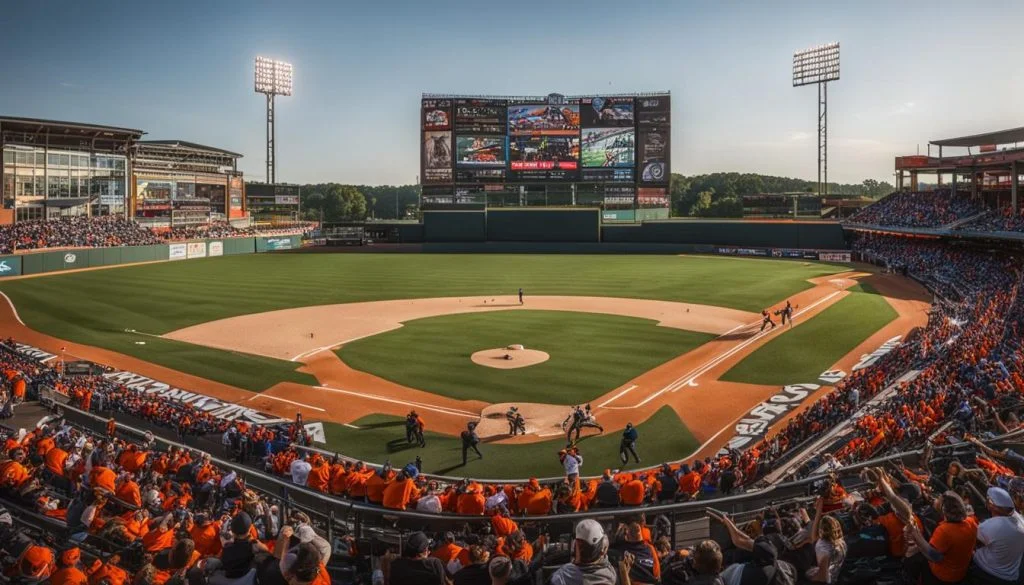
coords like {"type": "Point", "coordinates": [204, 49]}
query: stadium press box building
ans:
{"type": "Point", "coordinates": [60, 169]}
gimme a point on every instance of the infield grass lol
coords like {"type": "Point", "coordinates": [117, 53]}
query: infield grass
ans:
{"type": "Point", "coordinates": [590, 354]}
{"type": "Point", "coordinates": [96, 307]}
{"type": "Point", "coordinates": [801, 355]}
{"type": "Point", "coordinates": [663, 437]}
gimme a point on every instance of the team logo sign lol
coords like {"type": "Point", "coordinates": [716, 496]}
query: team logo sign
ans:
{"type": "Point", "coordinates": [653, 172]}
{"type": "Point", "coordinates": [4, 267]}
{"type": "Point", "coordinates": [70, 258]}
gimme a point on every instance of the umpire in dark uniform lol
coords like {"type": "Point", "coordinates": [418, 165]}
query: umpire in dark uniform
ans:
{"type": "Point", "coordinates": [627, 446]}
{"type": "Point", "coordinates": [469, 441]}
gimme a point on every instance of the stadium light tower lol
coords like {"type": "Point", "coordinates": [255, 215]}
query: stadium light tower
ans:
{"type": "Point", "coordinates": [273, 78]}
{"type": "Point", "coordinates": [818, 66]}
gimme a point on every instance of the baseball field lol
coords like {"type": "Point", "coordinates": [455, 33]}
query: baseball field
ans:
{"type": "Point", "coordinates": [672, 344]}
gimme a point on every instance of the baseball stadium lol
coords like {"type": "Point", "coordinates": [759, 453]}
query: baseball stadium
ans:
{"type": "Point", "coordinates": [542, 375]}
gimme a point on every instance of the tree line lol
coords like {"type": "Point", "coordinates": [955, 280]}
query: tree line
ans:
{"type": "Point", "coordinates": [721, 194]}
{"type": "Point", "coordinates": [710, 195]}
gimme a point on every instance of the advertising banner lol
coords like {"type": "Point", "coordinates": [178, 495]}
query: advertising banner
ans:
{"type": "Point", "coordinates": [653, 154]}
{"type": "Point", "coordinates": [437, 157]}
{"type": "Point", "coordinates": [544, 157]}
{"type": "Point", "coordinates": [544, 120]}
{"type": "Point", "coordinates": [755, 425]}
{"type": "Point", "coordinates": [177, 252]}
{"type": "Point", "coordinates": [286, 199]}
{"type": "Point", "coordinates": [217, 408]}
{"type": "Point", "coordinates": [279, 243]}
{"type": "Point", "coordinates": [654, 111]}
{"type": "Point", "coordinates": [481, 116]}
{"type": "Point", "coordinates": [834, 256]}
{"type": "Point", "coordinates": [596, 112]}
{"type": "Point", "coordinates": [10, 266]}
{"type": "Point", "coordinates": [195, 250]}
{"type": "Point", "coordinates": [35, 353]}
{"type": "Point", "coordinates": [216, 248]}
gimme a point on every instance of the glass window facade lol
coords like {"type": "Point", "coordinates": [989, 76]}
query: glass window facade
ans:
{"type": "Point", "coordinates": [33, 175]}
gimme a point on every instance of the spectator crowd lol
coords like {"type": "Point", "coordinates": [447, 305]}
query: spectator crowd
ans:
{"type": "Point", "coordinates": [924, 209]}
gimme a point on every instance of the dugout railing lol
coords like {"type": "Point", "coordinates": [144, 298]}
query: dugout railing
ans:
{"type": "Point", "coordinates": [688, 520]}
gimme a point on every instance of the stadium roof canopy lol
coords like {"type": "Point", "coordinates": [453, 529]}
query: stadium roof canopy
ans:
{"type": "Point", "coordinates": [36, 125]}
{"type": "Point", "coordinates": [1010, 136]}
{"type": "Point", "coordinates": [181, 145]}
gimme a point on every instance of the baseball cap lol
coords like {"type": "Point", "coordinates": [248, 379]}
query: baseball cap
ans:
{"type": "Point", "coordinates": [241, 523]}
{"type": "Point", "coordinates": [35, 560]}
{"type": "Point", "coordinates": [589, 531]}
{"type": "Point", "coordinates": [1000, 498]}
{"type": "Point", "coordinates": [417, 543]}
{"type": "Point", "coordinates": [499, 567]}
{"type": "Point", "coordinates": [305, 533]}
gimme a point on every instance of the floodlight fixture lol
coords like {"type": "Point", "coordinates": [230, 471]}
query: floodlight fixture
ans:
{"type": "Point", "coordinates": [818, 66]}
{"type": "Point", "coordinates": [272, 78]}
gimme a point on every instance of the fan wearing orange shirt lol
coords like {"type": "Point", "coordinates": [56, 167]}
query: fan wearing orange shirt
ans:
{"type": "Point", "coordinates": [319, 476]}
{"type": "Point", "coordinates": [471, 502]}
{"type": "Point", "coordinates": [951, 547]}
{"type": "Point", "coordinates": [632, 492]}
{"type": "Point", "coordinates": [68, 571]}
{"type": "Point", "coordinates": [401, 491]}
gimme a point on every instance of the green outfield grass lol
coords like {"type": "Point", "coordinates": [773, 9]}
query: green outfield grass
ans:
{"type": "Point", "coordinates": [663, 437]}
{"type": "Point", "coordinates": [590, 354]}
{"type": "Point", "coordinates": [799, 356]}
{"type": "Point", "coordinates": [95, 307]}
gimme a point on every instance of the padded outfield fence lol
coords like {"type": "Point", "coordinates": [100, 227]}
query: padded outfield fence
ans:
{"type": "Point", "coordinates": [46, 261]}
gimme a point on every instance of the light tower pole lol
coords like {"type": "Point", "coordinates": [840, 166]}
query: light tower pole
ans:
{"type": "Point", "coordinates": [818, 66]}
{"type": "Point", "coordinates": [273, 78]}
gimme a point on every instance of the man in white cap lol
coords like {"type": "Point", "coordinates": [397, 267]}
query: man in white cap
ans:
{"type": "Point", "coordinates": [589, 564]}
{"type": "Point", "coordinates": [1001, 542]}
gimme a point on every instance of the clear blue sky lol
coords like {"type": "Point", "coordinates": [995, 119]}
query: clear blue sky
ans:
{"type": "Point", "coordinates": [911, 70]}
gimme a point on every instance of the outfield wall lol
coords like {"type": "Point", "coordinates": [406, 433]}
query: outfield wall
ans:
{"type": "Point", "coordinates": [42, 262]}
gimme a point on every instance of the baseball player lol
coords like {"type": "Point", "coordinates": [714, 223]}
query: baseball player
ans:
{"type": "Point", "coordinates": [766, 318]}
{"type": "Point", "coordinates": [787, 314]}
{"type": "Point", "coordinates": [520, 295]}
{"type": "Point", "coordinates": [469, 441]}
{"type": "Point", "coordinates": [516, 422]}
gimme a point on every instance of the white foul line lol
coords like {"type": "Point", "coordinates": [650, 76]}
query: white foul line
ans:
{"type": "Point", "coordinates": [694, 374]}
{"type": "Point", "coordinates": [620, 394]}
{"type": "Point", "coordinates": [350, 426]}
{"type": "Point", "coordinates": [14, 309]}
{"type": "Point", "coordinates": [440, 409]}
{"type": "Point", "coordinates": [288, 401]}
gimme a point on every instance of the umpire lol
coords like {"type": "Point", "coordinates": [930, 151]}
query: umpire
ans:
{"type": "Point", "coordinates": [627, 446]}
{"type": "Point", "coordinates": [469, 441]}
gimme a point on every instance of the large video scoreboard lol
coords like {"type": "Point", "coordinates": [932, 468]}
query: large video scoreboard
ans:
{"type": "Point", "coordinates": [476, 144]}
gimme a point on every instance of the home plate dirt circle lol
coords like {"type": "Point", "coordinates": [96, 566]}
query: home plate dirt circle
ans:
{"type": "Point", "coordinates": [509, 357]}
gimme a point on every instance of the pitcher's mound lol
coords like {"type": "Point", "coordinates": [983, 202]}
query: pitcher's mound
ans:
{"type": "Point", "coordinates": [507, 358]}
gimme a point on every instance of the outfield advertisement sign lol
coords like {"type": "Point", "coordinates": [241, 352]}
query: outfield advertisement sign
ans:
{"type": "Point", "coordinates": [196, 250]}
{"type": "Point", "coordinates": [834, 256]}
{"type": "Point", "coordinates": [216, 249]}
{"type": "Point", "coordinates": [222, 410]}
{"type": "Point", "coordinates": [10, 266]}
{"type": "Point", "coordinates": [279, 243]}
{"type": "Point", "coordinates": [177, 252]}
{"type": "Point", "coordinates": [755, 425]}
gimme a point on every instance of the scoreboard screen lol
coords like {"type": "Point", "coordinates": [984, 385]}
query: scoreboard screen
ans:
{"type": "Point", "coordinates": [609, 139]}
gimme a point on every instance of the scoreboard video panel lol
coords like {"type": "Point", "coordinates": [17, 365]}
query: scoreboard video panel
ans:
{"type": "Point", "coordinates": [591, 139]}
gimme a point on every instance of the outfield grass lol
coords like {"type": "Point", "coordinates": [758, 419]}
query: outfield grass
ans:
{"type": "Point", "coordinates": [801, 355]}
{"type": "Point", "coordinates": [95, 307]}
{"type": "Point", "coordinates": [590, 354]}
{"type": "Point", "coordinates": [663, 437]}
